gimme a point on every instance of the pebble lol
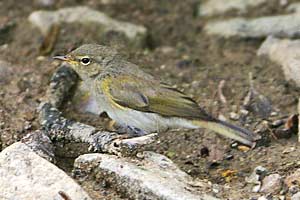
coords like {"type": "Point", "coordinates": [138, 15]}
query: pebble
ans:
{"type": "Point", "coordinates": [234, 116]}
{"type": "Point", "coordinates": [5, 71]}
{"type": "Point", "coordinates": [280, 26]}
{"type": "Point", "coordinates": [296, 196]}
{"type": "Point", "coordinates": [271, 184]}
{"type": "Point", "coordinates": [25, 175]}
{"type": "Point", "coordinates": [156, 177]}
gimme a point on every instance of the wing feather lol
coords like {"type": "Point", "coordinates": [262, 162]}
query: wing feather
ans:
{"type": "Point", "coordinates": [151, 96]}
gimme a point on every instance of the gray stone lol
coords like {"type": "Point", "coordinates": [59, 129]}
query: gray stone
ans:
{"type": "Point", "coordinates": [258, 173]}
{"type": "Point", "coordinates": [5, 71]}
{"type": "Point", "coordinates": [296, 196]}
{"type": "Point", "coordinates": [151, 176]}
{"type": "Point", "coordinates": [84, 101]}
{"type": "Point", "coordinates": [217, 7]}
{"type": "Point", "coordinates": [294, 7]}
{"type": "Point", "coordinates": [84, 15]}
{"type": "Point", "coordinates": [281, 26]}
{"type": "Point", "coordinates": [25, 175]}
{"type": "Point", "coordinates": [271, 184]}
{"type": "Point", "coordinates": [286, 53]}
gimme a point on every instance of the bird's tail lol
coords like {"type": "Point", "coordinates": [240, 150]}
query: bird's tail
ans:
{"type": "Point", "coordinates": [228, 130]}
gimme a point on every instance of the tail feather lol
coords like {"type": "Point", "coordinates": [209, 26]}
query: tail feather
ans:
{"type": "Point", "coordinates": [228, 130]}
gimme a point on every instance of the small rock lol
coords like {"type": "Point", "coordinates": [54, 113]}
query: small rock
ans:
{"type": "Point", "coordinates": [5, 71]}
{"type": "Point", "coordinates": [234, 116]}
{"type": "Point", "coordinates": [294, 189]}
{"type": "Point", "coordinates": [296, 196]}
{"type": "Point", "coordinates": [243, 148]}
{"type": "Point", "coordinates": [256, 188]}
{"type": "Point", "coordinates": [263, 198]}
{"type": "Point", "coordinates": [215, 188]}
{"type": "Point", "coordinates": [277, 123]}
{"type": "Point", "coordinates": [153, 177]}
{"type": "Point", "coordinates": [255, 178]}
{"type": "Point", "coordinates": [25, 175]}
{"type": "Point", "coordinates": [217, 7]}
{"type": "Point", "coordinates": [271, 184]}
{"type": "Point", "coordinates": [44, 20]}
{"type": "Point", "coordinates": [273, 114]}
{"type": "Point", "coordinates": [280, 26]}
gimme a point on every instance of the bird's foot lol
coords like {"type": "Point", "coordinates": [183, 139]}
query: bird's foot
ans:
{"type": "Point", "coordinates": [135, 132]}
{"type": "Point", "coordinates": [130, 131]}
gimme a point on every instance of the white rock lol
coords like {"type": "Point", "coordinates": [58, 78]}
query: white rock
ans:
{"type": "Point", "coordinates": [296, 196]}
{"type": "Point", "coordinates": [217, 7]}
{"type": "Point", "coordinates": [234, 116]}
{"type": "Point", "coordinates": [262, 198]}
{"type": "Point", "coordinates": [286, 53]}
{"type": "Point", "coordinates": [152, 177]}
{"type": "Point", "coordinates": [81, 14]}
{"type": "Point", "coordinates": [24, 175]}
{"type": "Point", "coordinates": [271, 184]}
{"type": "Point", "coordinates": [281, 25]}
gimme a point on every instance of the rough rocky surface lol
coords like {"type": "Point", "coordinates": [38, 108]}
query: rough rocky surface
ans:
{"type": "Point", "coordinates": [296, 196]}
{"type": "Point", "coordinates": [280, 26]}
{"type": "Point", "coordinates": [44, 20]}
{"type": "Point", "coordinates": [286, 53]}
{"type": "Point", "coordinates": [217, 7]}
{"type": "Point", "coordinates": [25, 175]}
{"type": "Point", "coordinates": [152, 176]}
{"type": "Point", "coordinates": [41, 144]}
{"type": "Point", "coordinates": [271, 184]}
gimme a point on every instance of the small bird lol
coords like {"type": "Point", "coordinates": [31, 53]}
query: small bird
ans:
{"type": "Point", "coordinates": [136, 100]}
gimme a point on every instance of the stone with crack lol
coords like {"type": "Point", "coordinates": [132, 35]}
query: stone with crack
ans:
{"type": "Point", "coordinates": [25, 175]}
{"type": "Point", "coordinates": [151, 176]}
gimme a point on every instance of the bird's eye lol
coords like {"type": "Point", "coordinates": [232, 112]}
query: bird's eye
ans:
{"type": "Point", "coordinates": [85, 61]}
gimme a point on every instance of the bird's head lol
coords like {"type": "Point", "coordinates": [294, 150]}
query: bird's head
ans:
{"type": "Point", "coordinates": [89, 60]}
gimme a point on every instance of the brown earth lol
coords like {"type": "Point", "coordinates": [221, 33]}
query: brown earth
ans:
{"type": "Point", "coordinates": [178, 52]}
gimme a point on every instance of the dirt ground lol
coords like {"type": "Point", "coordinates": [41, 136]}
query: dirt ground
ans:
{"type": "Point", "coordinates": [180, 53]}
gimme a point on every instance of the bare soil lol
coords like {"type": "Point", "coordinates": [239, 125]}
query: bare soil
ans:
{"type": "Point", "coordinates": [180, 53]}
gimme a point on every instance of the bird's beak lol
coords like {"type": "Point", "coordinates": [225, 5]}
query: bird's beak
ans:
{"type": "Point", "coordinates": [63, 58]}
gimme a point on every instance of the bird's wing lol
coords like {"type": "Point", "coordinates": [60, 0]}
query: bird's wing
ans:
{"type": "Point", "coordinates": [150, 96]}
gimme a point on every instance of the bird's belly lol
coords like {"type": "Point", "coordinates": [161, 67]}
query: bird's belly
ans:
{"type": "Point", "coordinates": [148, 122]}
